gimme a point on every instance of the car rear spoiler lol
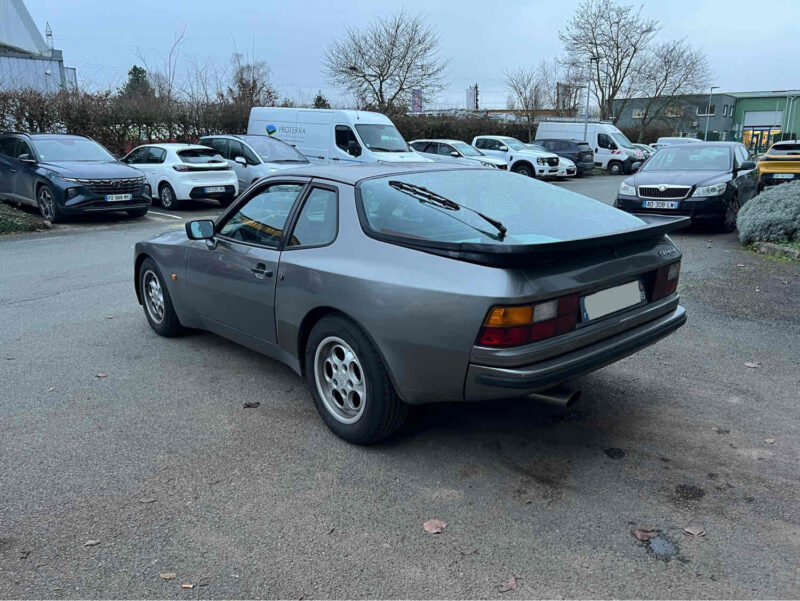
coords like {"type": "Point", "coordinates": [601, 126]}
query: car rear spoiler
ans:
{"type": "Point", "coordinates": [518, 255]}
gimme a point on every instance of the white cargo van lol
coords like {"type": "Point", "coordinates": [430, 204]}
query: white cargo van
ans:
{"type": "Point", "coordinates": [332, 136]}
{"type": "Point", "coordinates": [612, 150]}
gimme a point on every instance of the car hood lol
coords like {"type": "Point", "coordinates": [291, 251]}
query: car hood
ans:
{"type": "Point", "coordinates": [679, 178]}
{"type": "Point", "coordinates": [535, 153]}
{"type": "Point", "coordinates": [92, 169]}
{"type": "Point", "coordinates": [267, 167]}
{"type": "Point", "coordinates": [490, 160]}
{"type": "Point", "coordinates": [401, 157]}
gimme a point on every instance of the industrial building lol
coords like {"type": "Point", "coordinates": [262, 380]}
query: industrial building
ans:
{"type": "Point", "coordinates": [27, 60]}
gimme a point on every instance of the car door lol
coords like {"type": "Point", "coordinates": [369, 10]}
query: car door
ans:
{"type": "Point", "coordinates": [153, 166]}
{"type": "Point", "coordinates": [347, 148]}
{"type": "Point", "coordinates": [22, 182]}
{"type": "Point", "coordinates": [137, 158]}
{"type": "Point", "coordinates": [603, 150]}
{"type": "Point", "coordinates": [236, 149]}
{"type": "Point", "coordinates": [747, 179]}
{"type": "Point", "coordinates": [8, 166]}
{"type": "Point", "coordinates": [491, 147]}
{"type": "Point", "coordinates": [232, 277]}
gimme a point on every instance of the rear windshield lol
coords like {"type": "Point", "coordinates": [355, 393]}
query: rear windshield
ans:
{"type": "Point", "coordinates": [533, 212]}
{"type": "Point", "coordinates": [583, 145]}
{"type": "Point", "coordinates": [785, 149]}
{"type": "Point", "coordinates": [690, 157]}
{"type": "Point", "coordinates": [200, 155]}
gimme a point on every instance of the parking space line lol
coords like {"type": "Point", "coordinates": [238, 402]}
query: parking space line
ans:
{"type": "Point", "coordinates": [164, 214]}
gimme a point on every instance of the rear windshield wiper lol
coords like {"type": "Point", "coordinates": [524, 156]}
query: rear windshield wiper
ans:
{"type": "Point", "coordinates": [423, 194]}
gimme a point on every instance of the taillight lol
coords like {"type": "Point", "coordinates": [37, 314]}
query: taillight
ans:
{"type": "Point", "coordinates": [666, 280]}
{"type": "Point", "coordinates": [514, 326]}
{"type": "Point", "coordinates": [180, 168]}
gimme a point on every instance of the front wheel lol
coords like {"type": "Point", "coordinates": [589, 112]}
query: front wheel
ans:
{"type": "Point", "coordinates": [728, 223]}
{"type": "Point", "coordinates": [48, 207]}
{"type": "Point", "coordinates": [156, 300]}
{"type": "Point", "coordinates": [525, 170]}
{"type": "Point", "coordinates": [349, 382]}
{"type": "Point", "coordinates": [168, 199]}
{"type": "Point", "coordinates": [615, 168]}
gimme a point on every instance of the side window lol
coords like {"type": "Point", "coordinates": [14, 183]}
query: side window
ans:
{"type": "Point", "coordinates": [317, 222]}
{"type": "Point", "coordinates": [218, 144]}
{"type": "Point", "coordinates": [480, 144]}
{"type": "Point", "coordinates": [8, 147]}
{"type": "Point", "coordinates": [262, 218]}
{"type": "Point", "coordinates": [419, 146]}
{"type": "Point", "coordinates": [249, 155]}
{"type": "Point", "coordinates": [155, 155]}
{"type": "Point", "coordinates": [135, 156]}
{"type": "Point", "coordinates": [562, 146]}
{"type": "Point", "coordinates": [445, 149]}
{"type": "Point", "coordinates": [547, 144]}
{"type": "Point", "coordinates": [490, 144]}
{"type": "Point", "coordinates": [24, 148]}
{"type": "Point", "coordinates": [344, 135]}
{"type": "Point", "coordinates": [235, 149]}
{"type": "Point", "coordinates": [605, 141]}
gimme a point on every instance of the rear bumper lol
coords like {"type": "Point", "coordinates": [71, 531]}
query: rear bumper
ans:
{"type": "Point", "coordinates": [769, 179]}
{"type": "Point", "coordinates": [200, 192]}
{"type": "Point", "coordinates": [489, 382]}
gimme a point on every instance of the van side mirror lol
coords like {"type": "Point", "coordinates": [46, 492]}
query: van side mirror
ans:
{"type": "Point", "coordinates": [353, 148]}
{"type": "Point", "coordinates": [241, 160]}
{"type": "Point", "coordinates": [201, 229]}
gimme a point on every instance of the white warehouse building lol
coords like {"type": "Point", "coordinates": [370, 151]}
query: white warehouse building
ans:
{"type": "Point", "coordinates": [27, 61]}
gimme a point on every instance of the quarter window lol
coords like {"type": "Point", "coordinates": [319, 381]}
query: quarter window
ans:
{"type": "Point", "coordinates": [316, 224]}
{"type": "Point", "coordinates": [24, 148]}
{"type": "Point", "coordinates": [262, 218]}
{"type": "Point", "coordinates": [218, 144]}
{"type": "Point", "coordinates": [155, 155]}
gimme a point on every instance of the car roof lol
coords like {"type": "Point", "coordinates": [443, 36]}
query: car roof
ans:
{"type": "Point", "coordinates": [174, 145]}
{"type": "Point", "coordinates": [561, 140]}
{"type": "Point", "coordinates": [56, 136]}
{"type": "Point", "coordinates": [442, 140]}
{"type": "Point", "coordinates": [353, 174]}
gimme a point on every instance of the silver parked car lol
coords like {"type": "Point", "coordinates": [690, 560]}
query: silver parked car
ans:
{"type": "Point", "coordinates": [387, 286]}
{"type": "Point", "coordinates": [455, 151]}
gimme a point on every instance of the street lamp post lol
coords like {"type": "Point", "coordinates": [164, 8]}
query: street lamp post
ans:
{"type": "Point", "coordinates": [708, 111]}
{"type": "Point", "coordinates": [588, 88]}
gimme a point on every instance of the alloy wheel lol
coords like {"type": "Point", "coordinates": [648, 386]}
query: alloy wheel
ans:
{"type": "Point", "coordinates": [153, 296]}
{"type": "Point", "coordinates": [340, 379]}
{"type": "Point", "coordinates": [166, 197]}
{"type": "Point", "coordinates": [46, 203]}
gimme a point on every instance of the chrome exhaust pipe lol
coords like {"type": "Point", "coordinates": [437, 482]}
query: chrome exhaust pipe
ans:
{"type": "Point", "coordinates": [560, 396]}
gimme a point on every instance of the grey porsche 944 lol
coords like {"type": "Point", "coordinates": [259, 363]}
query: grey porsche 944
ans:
{"type": "Point", "coordinates": [388, 286]}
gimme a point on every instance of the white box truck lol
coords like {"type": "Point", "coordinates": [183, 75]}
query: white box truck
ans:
{"type": "Point", "coordinates": [612, 150]}
{"type": "Point", "coordinates": [333, 136]}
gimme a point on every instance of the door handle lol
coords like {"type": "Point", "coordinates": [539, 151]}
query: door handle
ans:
{"type": "Point", "coordinates": [13, 170]}
{"type": "Point", "coordinates": [261, 271]}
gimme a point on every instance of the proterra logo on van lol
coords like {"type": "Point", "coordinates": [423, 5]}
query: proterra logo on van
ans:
{"type": "Point", "coordinates": [288, 133]}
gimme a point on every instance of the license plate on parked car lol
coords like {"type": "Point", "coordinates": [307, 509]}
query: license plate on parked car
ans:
{"type": "Point", "coordinates": [783, 175]}
{"type": "Point", "coordinates": [660, 204]}
{"type": "Point", "coordinates": [213, 189]}
{"type": "Point", "coordinates": [118, 197]}
{"type": "Point", "coordinates": [611, 300]}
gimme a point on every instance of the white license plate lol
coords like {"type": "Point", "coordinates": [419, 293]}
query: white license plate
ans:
{"type": "Point", "coordinates": [611, 300]}
{"type": "Point", "coordinates": [660, 204]}
{"type": "Point", "coordinates": [118, 197]}
{"type": "Point", "coordinates": [213, 189]}
{"type": "Point", "coordinates": [783, 175]}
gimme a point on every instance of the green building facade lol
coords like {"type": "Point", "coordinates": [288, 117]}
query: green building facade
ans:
{"type": "Point", "coordinates": [761, 118]}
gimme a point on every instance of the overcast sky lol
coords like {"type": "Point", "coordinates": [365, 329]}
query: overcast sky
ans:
{"type": "Point", "coordinates": [749, 48]}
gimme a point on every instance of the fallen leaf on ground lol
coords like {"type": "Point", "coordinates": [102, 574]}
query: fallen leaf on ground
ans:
{"type": "Point", "coordinates": [695, 530]}
{"type": "Point", "coordinates": [204, 581]}
{"type": "Point", "coordinates": [51, 389]}
{"type": "Point", "coordinates": [147, 500]}
{"type": "Point", "coordinates": [102, 375]}
{"type": "Point", "coordinates": [168, 575]}
{"type": "Point", "coordinates": [643, 534]}
{"type": "Point", "coordinates": [740, 265]}
{"type": "Point", "coordinates": [753, 364]}
{"type": "Point", "coordinates": [434, 526]}
{"type": "Point", "coordinates": [331, 530]}
{"type": "Point", "coordinates": [187, 585]}
{"type": "Point", "coordinates": [508, 585]}
{"type": "Point", "coordinates": [252, 405]}
{"type": "Point", "coordinates": [769, 440]}
{"type": "Point", "coordinates": [91, 543]}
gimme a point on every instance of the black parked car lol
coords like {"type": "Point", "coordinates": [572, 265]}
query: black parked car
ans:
{"type": "Point", "coordinates": [576, 151]}
{"type": "Point", "coordinates": [66, 174]}
{"type": "Point", "coordinates": [703, 181]}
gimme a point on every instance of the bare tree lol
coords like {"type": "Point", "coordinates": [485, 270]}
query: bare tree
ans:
{"type": "Point", "coordinates": [669, 70]}
{"type": "Point", "coordinates": [526, 92]}
{"type": "Point", "coordinates": [383, 64]}
{"type": "Point", "coordinates": [617, 36]}
{"type": "Point", "coordinates": [562, 81]}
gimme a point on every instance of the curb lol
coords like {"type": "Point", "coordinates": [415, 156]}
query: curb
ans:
{"type": "Point", "coordinates": [769, 248]}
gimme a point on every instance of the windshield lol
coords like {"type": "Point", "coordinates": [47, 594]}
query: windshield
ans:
{"type": "Point", "coordinates": [382, 138]}
{"type": "Point", "coordinates": [274, 151]}
{"type": "Point", "coordinates": [534, 212]}
{"type": "Point", "coordinates": [55, 150]}
{"type": "Point", "coordinates": [200, 155]}
{"type": "Point", "coordinates": [513, 143]}
{"type": "Point", "coordinates": [467, 150]}
{"type": "Point", "coordinates": [621, 140]}
{"type": "Point", "coordinates": [688, 157]}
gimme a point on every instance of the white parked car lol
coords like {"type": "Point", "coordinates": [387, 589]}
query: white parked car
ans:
{"type": "Point", "coordinates": [520, 157]}
{"type": "Point", "coordinates": [179, 172]}
{"type": "Point", "coordinates": [612, 149]}
{"type": "Point", "coordinates": [455, 151]}
{"type": "Point", "coordinates": [253, 157]}
{"type": "Point", "coordinates": [566, 168]}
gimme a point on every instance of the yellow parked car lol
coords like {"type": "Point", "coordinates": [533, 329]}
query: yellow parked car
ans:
{"type": "Point", "coordinates": [781, 163]}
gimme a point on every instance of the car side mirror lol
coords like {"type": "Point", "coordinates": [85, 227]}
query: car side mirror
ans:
{"type": "Point", "coordinates": [241, 160]}
{"type": "Point", "coordinates": [202, 229]}
{"type": "Point", "coordinates": [455, 153]}
{"type": "Point", "coordinates": [636, 166]}
{"type": "Point", "coordinates": [747, 166]}
{"type": "Point", "coordinates": [353, 148]}
{"type": "Point", "coordinates": [503, 149]}
{"type": "Point", "coordinates": [26, 158]}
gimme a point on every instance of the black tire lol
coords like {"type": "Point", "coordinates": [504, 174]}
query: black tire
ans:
{"type": "Point", "coordinates": [137, 212]}
{"type": "Point", "coordinates": [615, 168]}
{"type": "Point", "coordinates": [728, 222]}
{"type": "Point", "coordinates": [381, 411]}
{"type": "Point", "coordinates": [525, 170]}
{"type": "Point", "coordinates": [169, 324]}
{"type": "Point", "coordinates": [48, 206]}
{"type": "Point", "coordinates": [167, 197]}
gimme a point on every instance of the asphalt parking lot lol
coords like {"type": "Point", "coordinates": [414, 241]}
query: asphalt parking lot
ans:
{"type": "Point", "coordinates": [159, 464]}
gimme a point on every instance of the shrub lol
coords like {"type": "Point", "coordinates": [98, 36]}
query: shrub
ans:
{"type": "Point", "coordinates": [772, 216]}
